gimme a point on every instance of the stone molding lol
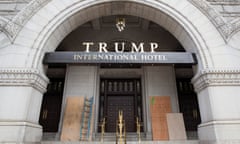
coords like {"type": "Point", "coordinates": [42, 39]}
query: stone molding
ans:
{"type": "Point", "coordinates": [20, 132]}
{"type": "Point", "coordinates": [3, 25]}
{"type": "Point", "coordinates": [216, 77]}
{"type": "Point", "coordinates": [226, 29]}
{"type": "Point", "coordinates": [219, 142]}
{"type": "Point", "coordinates": [3, 22]}
{"type": "Point", "coordinates": [13, 26]}
{"type": "Point", "coordinates": [23, 77]}
{"type": "Point", "coordinates": [20, 123]}
{"type": "Point", "coordinates": [224, 2]}
{"type": "Point", "coordinates": [220, 122]}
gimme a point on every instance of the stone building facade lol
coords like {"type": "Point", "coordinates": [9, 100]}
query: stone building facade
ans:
{"type": "Point", "coordinates": [207, 28]}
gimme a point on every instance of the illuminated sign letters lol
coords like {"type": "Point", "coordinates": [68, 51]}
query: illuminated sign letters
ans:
{"type": "Point", "coordinates": [119, 47]}
{"type": "Point", "coordinates": [101, 52]}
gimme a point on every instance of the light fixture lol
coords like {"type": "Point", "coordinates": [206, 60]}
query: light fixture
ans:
{"type": "Point", "coordinates": [120, 24]}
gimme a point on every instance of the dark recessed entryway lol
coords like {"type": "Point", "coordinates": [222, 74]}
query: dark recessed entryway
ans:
{"type": "Point", "coordinates": [120, 94]}
{"type": "Point", "coordinates": [51, 105]}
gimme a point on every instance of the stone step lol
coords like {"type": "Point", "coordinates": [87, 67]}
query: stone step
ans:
{"type": "Point", "coordinates": [130, 142]}
{"type": "Point", "coordinates": [112, 137]}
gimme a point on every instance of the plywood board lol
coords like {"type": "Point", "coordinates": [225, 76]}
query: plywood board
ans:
{"type": "Point", "coordinates": [176, 127]}
{"type": "Point", "coordinates": [72, 119]}
{"type": "Point", "coordinates": [160, 106]}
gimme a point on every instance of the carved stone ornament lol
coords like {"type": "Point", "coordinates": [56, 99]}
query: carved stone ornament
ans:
{"type": "Point", "coordinates": [232, 2]}
{"type": "Point", "coordinates": [225, 28]}
{"type": "Point", "coordinates": [216, 77]}
{"type": "Point", "coordinates": [23, 77]}
{"type": "Point", "coordinates": [3, 22]}
{"type": "Point", "coordinates": [15, 25]}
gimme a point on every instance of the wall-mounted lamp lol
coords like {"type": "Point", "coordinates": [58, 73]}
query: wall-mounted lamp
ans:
{"type": "Point", "coordinates": [120, 24]}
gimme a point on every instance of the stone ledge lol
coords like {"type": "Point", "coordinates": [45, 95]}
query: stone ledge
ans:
{"type": "Point", "coordinates": [19, 123]}
{"type": "Point", "coordinates": [226, 122]}
{"type": "Point", "coordinates": [220, 142]}
{"type": "Point", "coordinates": [19, 132]}
{"type": "Point", "coordinates": [216, 77]}
{"type": "Point", "coordinates": [129, 142]}
{"type": "Point", "coordinates": [219, 132]}
{"type": "Point", "coordinates": [23, 77]}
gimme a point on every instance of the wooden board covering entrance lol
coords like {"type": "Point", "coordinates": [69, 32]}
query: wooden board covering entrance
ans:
{"type": "Point", "coordinates": [160, 106]}
{"type": "Point", "coordinates": [72, 118]}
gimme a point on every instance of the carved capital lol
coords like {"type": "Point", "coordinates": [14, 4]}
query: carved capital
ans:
{"type": "Point", "coordinates": [23, 77]}
{"type": "Point", "coordinates": [216, 77]}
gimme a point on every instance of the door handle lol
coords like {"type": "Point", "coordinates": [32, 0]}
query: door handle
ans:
{"type": "Point", "coordinates": [195, 114]}
{"type": "Point", "coordinates": [45, 114]}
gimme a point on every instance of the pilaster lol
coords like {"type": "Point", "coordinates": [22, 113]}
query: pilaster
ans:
{"type": "Point", "coordinates": [20, 103]}
{"type": "Point", "coordinates": [23, 77]}
{"type": "Point", "coordinates": [218, 97]}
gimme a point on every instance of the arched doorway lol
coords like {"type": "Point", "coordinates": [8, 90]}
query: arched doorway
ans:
{"type": "Point", "coordinates": [177, 29]}
{"type": "Point", "coordinates": [127, 82]}
{"type": "Point", "coordinates": [161, 16]}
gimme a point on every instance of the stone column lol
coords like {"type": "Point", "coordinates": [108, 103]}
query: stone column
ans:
{"type": "Point", "coordinates": [20, 103]}
{"type": "Point", "coordinates": [158, 81]}
{"type": "Point", "coordinates": [219, 97]}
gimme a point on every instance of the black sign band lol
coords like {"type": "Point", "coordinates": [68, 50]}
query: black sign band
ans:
{"type": "Point", "coordinates": [125, 57]}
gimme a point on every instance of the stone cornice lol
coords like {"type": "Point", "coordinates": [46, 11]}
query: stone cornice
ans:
{"type": "Point", "coordinates": [216, 77]}
{"type": "Point", "coordinates": [23, 77]}
{"type": "Point", "coordinates": [13, 26]}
